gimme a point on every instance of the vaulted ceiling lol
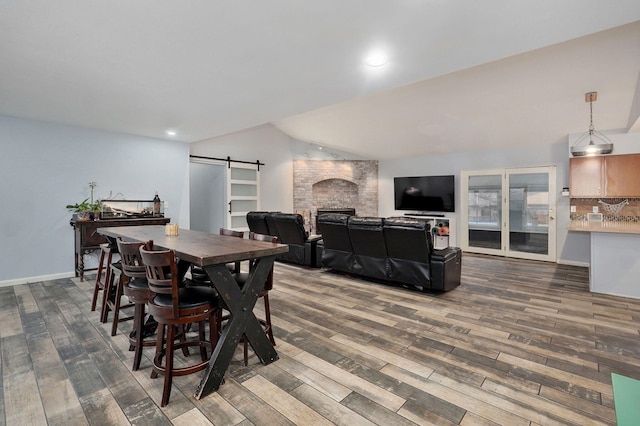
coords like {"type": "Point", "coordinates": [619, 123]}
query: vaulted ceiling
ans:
{"type": "Point", "coordinates": [460, 75]}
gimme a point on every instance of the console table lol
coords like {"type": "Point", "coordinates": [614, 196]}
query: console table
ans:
{"type": "Point", "coordinates": [87, 240]}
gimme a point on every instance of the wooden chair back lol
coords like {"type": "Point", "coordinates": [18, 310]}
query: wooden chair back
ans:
{"type": "Point", "coordinates": [162, 274]}
{"type": "Point", "coordinates": [132, 264]}
{"type": "Point", "coordinates": [231, 233]}
{"type": "Point", "coordinates": [268, 285]}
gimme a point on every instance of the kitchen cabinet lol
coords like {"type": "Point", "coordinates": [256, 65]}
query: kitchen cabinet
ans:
{"type": "Point", "coordinates": [612, 176]}
{"type": "Point", "coordinates": [585, 177]}
{"type": "Point", "coordinates": [622, 176]}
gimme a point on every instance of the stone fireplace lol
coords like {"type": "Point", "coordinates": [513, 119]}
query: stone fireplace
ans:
{"type": "Point", "coordinates": [335, 184]}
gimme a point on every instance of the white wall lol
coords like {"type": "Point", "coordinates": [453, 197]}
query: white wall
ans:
{"type": "Point", "coordinates": [45, 166]}
{"type": "Point", "coordinates": [572, 248]}
{"type": "Point", "coordinates": [271, 147]}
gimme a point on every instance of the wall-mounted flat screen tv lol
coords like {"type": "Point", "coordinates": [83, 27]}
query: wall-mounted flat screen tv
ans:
{"type": "Point", "coordinates": [425, 193]}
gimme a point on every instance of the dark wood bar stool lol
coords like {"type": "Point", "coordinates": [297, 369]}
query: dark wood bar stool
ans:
{"type": "Point", "coordinates": [114, 292]}
{"type": "Point", "coordinates": [174, 305]}
{"type": "Point", "coordinates": [242, 277]}
{"type": "Point", "coordinates": [136, 287]}
{"type": "Point", "coordinates": [107, 250]}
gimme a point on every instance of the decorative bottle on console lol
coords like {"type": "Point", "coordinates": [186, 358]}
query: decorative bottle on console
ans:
{"type": "Point", "coordinates": [156, 205]}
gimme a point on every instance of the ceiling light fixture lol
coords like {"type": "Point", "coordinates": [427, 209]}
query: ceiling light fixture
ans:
{"type": "Point", "coordinates": [602, 145]}
{"type": "Point", "coordinates": [376, 59]}
{"type": "Point", "coordinates": [171, 132]}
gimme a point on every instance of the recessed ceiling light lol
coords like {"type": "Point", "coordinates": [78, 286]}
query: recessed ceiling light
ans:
{"type": "Point", "coordinates": [376, 59]}
{"type": "Point", "coordinates": [171, 132]}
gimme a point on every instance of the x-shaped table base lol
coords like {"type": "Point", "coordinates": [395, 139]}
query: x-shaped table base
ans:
{"type": "Point", "coordinates": [240, 302]}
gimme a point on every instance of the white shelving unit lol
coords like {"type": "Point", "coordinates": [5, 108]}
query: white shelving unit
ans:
{"type": "Point", "coordinates": [243, 195]}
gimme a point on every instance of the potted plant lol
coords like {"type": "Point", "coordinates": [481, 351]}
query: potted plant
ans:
{"type": "Point", "coordinates": [86, 210]}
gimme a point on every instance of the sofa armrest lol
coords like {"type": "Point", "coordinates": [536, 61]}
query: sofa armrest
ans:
{"type": "Point", "coordinates": [446, 268]}
{"type": "Point", "coordinates": [444, 254]}
{"type": "Point", "coordinates": [310, 252]}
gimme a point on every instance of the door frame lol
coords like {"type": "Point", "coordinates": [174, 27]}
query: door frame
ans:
{"type": "Point", "coordinates": [505, 249]}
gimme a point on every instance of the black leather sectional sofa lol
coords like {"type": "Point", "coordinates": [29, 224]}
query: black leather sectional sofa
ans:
{"type": "Point", "coordinates": [398, 250]}
{"type": "Point", "coordinates": [289, 228]}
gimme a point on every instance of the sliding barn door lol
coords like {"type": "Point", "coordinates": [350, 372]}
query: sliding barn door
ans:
{"type": "Point", "coordinates": [243, 194]}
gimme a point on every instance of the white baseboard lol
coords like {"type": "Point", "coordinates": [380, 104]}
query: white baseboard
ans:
{"type": "Point", "coordinates": [26, 280]}
{"type": "Point", "coordinates": [573, 263]}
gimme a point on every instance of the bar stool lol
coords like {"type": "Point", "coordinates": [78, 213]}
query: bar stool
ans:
{"type": "Point", "coordinates": [174, 305]}
{"type": "Point", "coordinates": [107, 250]}
{"type": "Point", "coordinates": [114, 291]}
{"type": "Point", "coordinates": [136, 288]}
{"type": "Point", "coordinates": [241, 278]}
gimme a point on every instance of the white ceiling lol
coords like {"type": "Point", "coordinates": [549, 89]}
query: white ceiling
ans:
{"type": "Point", "coordinates": [461, 74]}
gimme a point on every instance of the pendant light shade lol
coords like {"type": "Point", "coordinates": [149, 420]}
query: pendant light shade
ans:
{"type": "Point", "coordinates": [592, 142]}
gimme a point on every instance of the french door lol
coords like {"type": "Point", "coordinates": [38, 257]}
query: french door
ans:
{"type": "Point", "coordinates": [510, 212]}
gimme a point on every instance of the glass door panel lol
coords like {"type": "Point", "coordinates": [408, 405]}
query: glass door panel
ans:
{"type": "Point", "coordinates": [484, 206]}
{"type": "Point", "coordinates": [531, 213]}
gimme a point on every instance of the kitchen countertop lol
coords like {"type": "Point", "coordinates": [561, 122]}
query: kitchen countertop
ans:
{"type": "Point", "coordinates": [605, 226]}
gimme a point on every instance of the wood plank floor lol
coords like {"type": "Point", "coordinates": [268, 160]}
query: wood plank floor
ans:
{"type": "Point", "coordinates": [518, 343]}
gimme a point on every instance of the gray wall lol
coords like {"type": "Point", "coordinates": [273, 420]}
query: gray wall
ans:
{"type": "Point", "coordinates": [44, 167]}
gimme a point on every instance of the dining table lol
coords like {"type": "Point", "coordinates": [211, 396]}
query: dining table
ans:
{"type": "Point", "coordinates": [212, 252]}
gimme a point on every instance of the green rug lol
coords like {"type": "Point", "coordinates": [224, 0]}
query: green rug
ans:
{"type": "Point", "coordinates": [626, 397]}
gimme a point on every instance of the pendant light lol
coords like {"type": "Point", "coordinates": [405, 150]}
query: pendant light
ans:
{"type": "Point", "coordinates": [601, 144]}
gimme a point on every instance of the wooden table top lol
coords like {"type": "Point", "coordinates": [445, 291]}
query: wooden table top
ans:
{"type": "Point", "coordinates": [199, 248]}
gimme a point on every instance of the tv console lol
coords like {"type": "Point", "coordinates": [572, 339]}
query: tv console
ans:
{"type": "Point", "coordinates": [437, 221]}
{"type": "Point", "coordinates": [424, 214]}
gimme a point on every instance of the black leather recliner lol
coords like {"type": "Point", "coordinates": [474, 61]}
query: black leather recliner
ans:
{"type": "Point", "coordinates": [291, 232]}
{"type": "Point", "coordinates": [400, 246]}
{"type": "Point", "coordinates": [337, 252]}
{"type": "Point", "coordinates": [272, 227]}
{"type": "Point", "coordinates": [289, 228]}
{"type": "Point", "coordinates": [412, 257]}
{"type": "Point", "coordinates": [367, 240]}
{"type": "Point", "coordinates": [257, 222]}
{"type": "Point", "coordinates": [409, 246]}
